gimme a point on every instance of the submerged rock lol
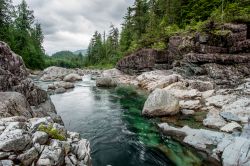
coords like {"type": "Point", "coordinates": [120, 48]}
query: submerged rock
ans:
{"type": "Point", "coordinates": [160, 103]}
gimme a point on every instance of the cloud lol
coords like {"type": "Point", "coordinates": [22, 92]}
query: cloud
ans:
{"type": "Point", "coordinates": [69, 24]}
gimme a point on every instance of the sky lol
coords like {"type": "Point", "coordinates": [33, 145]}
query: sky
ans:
{"type": "Point", "coordinates": [70, 24]}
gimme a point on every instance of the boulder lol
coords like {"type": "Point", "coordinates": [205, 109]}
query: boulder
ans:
{"type": "Point", "coordinates": [240, 108]}
{"type": "Point", "coordinates": [28, 156]}
{"type": "Point", "coordinates": [54, 73]}
{"type": "Point", "coordinates": [160, 103]}
{"type": "Point", "coordinates": [106, 82]}
{"type": "Point", "coordinates": [72, 78]}
{"type": "Point", "coordinates": [200, 139]}
{"type": "Point", "coordinates": [40, 137]}
{"type": "Point", "coordinates": [60, 90]}
{"type": "Point", "coordinates": [230, 127]}
{"type": "Point", "coordinates": [14, 104]}
{"type": "Point", "coordinates": [157, 79]}
{"type": "Point", "coordinates": [14, 140]}
{"type": "Point", "coordinates": [213, 119]}
{"type": "Point", "coordinates": [51, 156]}
{"type": "Point", "coordinates": [237, 153]}
{"type": "Point", "coordinates": [6, 163]}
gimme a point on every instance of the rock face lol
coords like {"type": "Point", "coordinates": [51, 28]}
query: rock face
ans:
{"type": "Point", "coordinates": [222, 55]}
{"type": "Point", "coordinates": [27, 117]}
{"type": "Point", "coordinates": [145, 60]}
{"type": "Point", "coordinates": [161, 103]}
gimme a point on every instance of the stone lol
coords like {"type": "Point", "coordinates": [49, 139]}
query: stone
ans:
{"type": "Point", "coordinates": [72, 77]}
{"type": "Point", "coordinates": [160, 103]}
{"type": "Point", "coordinates": [184, 94]}
{"type": "Point", "coordinates": [220, 100]}
{"type": "Point", "coordinates": [51, 156]}
{"type": "Point", "coordinates": [6, 163]}
{"type": "Point", "coordinates": [15, 140]}
{"type": "Point", "coordinates": [213, 119]}
{"type": "Point", "coordinates": [190, 104]}
{"type": "Point", "coordinates": [237, 153]}
{"type": "Point", "coordinates": [55, 73]}
{"type": "Point", "coordinates": [60, 90]}
{"type": "Point", "coordinates": [34, 123]}
{"type": "Point", "coordinates": [230, 127]}
{"type": "Point", "coordinates": [187, 112]}
{"type": "Point", "coordinates": [28, 156]}
{"type": "Point", "coordinates": [240, 107]}
{"type": "Point", "coordinates": [207, 94]}
{"type": "Point", "coordinates": [201, 86]}
{"type": "Point", "coordinates": [40, 137]}
{"type": "Point", "coordinates": [200, 139]}
{"type": "Point", "coordinates": [157, 79]}
{"type": "Point", "coordinates": [228, 116]}
{"type": "Point", "coordinates": [4, 155]}
{"type": "Point", "coordinates": [106, 82]}
{"type": "Point", "coordinates": [14, 104]}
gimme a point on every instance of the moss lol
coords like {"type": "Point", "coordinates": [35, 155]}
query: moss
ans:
{"type": "Point", "coordinates": [52, 132]}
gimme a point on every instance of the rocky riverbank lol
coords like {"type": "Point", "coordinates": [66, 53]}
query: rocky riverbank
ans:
{"type": "Point", "coordinates": [31, 132]}
{"type": "Point", "coordinates": [204, 72]}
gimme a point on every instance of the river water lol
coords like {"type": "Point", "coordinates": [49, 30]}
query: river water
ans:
{"type": "Point", "coordinates": [118, 134]}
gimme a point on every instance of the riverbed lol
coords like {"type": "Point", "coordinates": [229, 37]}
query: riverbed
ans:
{"type": "Point", "coordinates": [118, 134]}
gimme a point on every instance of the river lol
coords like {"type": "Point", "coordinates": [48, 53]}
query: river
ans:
{"type": "Point", "coordinates": [118, 134]}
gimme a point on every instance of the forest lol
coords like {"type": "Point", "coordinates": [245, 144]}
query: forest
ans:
{"type": "Point", "coordinates": [147, 24]}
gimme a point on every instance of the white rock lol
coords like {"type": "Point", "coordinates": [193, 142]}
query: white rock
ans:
{"type": "Point", "coordinates": [237, 153]}
{"type": "Point", "coordinates": [161, 103]}
{"type": "Point", "coordinates": [14, 140]}
{"type": "Point", "coordinates": [190, 104]}
{"type": "Point", "coordinates": [187, 112]}
{"type": "Point", "coordinates": [230, 127]}
{"type": "Point", "coordinates": [28, 157]}
{"type": "Point", "coordinates": [213, 119]}
{"type": "Point", "coordinates": [72, 77]}
{"type": "Point", "coordinates": [40, 137]}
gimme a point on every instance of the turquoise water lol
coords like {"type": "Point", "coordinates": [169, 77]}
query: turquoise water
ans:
{"type": "Point", "coordinates": [110, 119]}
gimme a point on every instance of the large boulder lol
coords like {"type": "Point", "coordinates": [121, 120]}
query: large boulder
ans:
{"type": "Point", "coordinates": [55, 73]}
{"type": "Point", "coordinates": [161, 103]}
{"type": "Point", "coordinates": [14, 104]}
{"type": "Point", "coordinates": [72, 77]}
{"type": "Point", "coordinates": [106, 82]}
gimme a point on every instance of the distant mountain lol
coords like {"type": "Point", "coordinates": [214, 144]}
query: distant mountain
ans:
{"type": "Point", "coordinates": [63, 54]}
{"type": "Point", "coordinates": [84, 52]}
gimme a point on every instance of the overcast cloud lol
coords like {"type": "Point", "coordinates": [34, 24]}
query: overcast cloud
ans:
{"type": "Point", "coordinates": [69, 24]}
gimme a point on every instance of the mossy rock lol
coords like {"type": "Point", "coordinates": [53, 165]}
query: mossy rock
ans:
{"type": "Point", "coordinates": [52, 132]}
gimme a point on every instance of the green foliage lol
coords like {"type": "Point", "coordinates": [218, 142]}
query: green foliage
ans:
{"type": "Point", "coordinates": [165, 18]}
{"type": "Point", "coordinates": [52, 132]}
{"type": "Point", "coordinates": [103, 49]}
{"type": "Point", "coordinates": [65, 59]}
